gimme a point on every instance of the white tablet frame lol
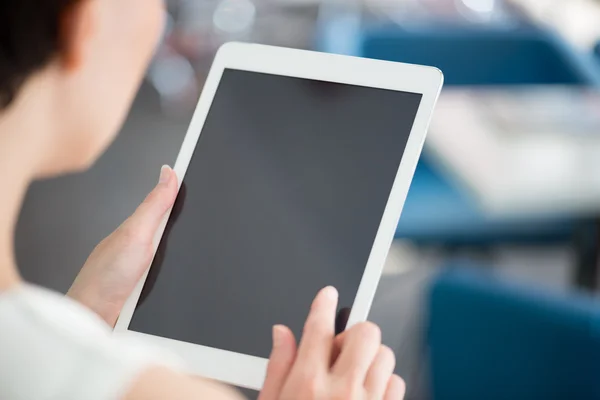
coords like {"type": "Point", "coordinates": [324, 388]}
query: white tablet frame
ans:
{"type": "Point", "coordinates": [249, 371]}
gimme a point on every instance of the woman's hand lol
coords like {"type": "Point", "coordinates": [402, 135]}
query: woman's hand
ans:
{"type": "Point", "coordinates": [118, 262]}
{"type": "Point", "coordinates": [353, 366]}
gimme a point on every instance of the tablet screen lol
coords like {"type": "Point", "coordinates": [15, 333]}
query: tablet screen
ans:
{"type": "Point", "coordinates": [283, 196]}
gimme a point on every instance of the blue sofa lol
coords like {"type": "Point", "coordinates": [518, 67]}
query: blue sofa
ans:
{"type": "Point", "coordinates": [497, 341]}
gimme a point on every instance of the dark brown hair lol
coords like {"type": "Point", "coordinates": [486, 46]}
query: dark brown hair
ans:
{"type": "Point", "coordinates": [29, 39]}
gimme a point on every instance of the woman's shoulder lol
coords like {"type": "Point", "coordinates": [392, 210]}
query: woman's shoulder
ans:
{"type": "Point", "coordinates": [52, 347]}
{"type": "Point", "coordinates": [30, 307]}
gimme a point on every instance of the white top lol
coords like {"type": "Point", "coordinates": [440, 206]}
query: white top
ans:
{"type": "Point", "coordinates": [53, 348]}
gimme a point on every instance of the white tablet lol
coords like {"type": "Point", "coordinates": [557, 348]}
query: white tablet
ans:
{"type": "Point", "coordinates": [294, 172]}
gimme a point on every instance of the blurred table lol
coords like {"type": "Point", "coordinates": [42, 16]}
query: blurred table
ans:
{"type": "Point", "coordinates": [527, 151]}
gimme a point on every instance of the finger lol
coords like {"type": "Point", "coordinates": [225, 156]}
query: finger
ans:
{"type": "Point", "coordinates": [280, 362]}
{"type": "Point", "coordinates": [396, 389]}
{"type": "Point", "coordinates": [358, 351]}
{"type": "Point", "coordinates": [150, 214]}
{"type": "Point", "coordinates": [380, 373]}
{"type": "Point", "coordinates": [338, 342]}
{"type": "Point", "coordinates": [319, 329]}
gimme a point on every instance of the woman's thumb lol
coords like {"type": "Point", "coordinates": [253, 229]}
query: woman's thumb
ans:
{"type": "Point", "coordinates": [148, 216]}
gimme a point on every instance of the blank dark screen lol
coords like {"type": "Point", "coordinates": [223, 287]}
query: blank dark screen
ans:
{"type": "Point", "coordinates": [283, 196]}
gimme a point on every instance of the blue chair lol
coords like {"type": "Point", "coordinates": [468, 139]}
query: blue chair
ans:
{"type": "Point", "coordinates": [497, 341]}
{"type": "Point", "coordinates": [437, 210]}
{"type": "Point", "coordinates": [469, 56]}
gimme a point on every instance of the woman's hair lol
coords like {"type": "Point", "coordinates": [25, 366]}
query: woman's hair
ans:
{"type": "Point", "coordinates": [29, 39]}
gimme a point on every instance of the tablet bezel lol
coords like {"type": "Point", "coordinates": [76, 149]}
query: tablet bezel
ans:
{"type": "Point", "coordinates": [249, 371]}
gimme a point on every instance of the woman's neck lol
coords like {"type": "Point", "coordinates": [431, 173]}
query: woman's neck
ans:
{"type": "Point", "coordinates": [21, 146]}
{"type": "Point", "coordinates": [14, 184]}
{"type": "Point", "coordinates": [10, 204]}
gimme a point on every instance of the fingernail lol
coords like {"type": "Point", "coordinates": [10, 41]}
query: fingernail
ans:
{"type": "Point", "coordinates": [277, 336]}
{"type": "Point", "coordinates": [330, 292]}
{"type": "Point", "coordinates": [164, 174]}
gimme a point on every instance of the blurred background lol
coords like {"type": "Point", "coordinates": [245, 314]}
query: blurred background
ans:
{"type": "Point", "coordinates": [491, 287]}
